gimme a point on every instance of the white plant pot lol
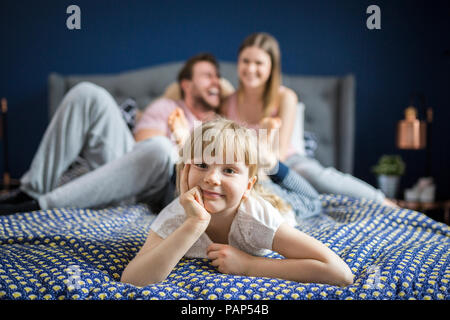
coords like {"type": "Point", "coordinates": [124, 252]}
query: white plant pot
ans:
{"type": "Point", "coordinates": [389, 185]}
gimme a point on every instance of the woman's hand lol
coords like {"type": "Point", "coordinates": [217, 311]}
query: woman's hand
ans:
{"type": "Point", "coordinates": [269, 149]}
{"type": "Point", "coordinates": [192, 200]}
{"type": "Point", "coordinates": [228, 259]}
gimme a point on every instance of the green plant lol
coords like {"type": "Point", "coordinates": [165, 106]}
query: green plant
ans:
{"type": "Point", "coordinates": [390, 165]}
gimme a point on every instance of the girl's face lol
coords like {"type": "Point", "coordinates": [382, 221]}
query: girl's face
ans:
{"type": "Point", "coordinates": [222, 185]}
{"type": "Point", "coordinates": [254, 67]}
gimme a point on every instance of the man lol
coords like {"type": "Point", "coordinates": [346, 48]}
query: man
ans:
{"type": "Point", "coordinates": [88, 123]}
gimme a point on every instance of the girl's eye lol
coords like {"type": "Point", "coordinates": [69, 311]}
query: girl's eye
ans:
{"type": "Point", "coordinates": [201, 165]}
{"type": "Point", "coordinates": [229, 170]}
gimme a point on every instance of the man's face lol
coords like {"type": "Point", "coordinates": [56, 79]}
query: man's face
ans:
{"type": "Point", "coordinates": [204, 87]}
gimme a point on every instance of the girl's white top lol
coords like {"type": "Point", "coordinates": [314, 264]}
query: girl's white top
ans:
{"type": "Point", "coordinates": [252, 230]}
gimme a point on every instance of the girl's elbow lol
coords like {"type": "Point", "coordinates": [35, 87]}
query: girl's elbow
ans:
{"type": "Point", "coordinates": [126, 277]}
{"type": "Point", "coordinates": [345, 276]}
{"type": "Point", "coordinates": [138, 282]}
{"type": "Point", "coordinates": [131, 277]}
{"type": "Point", "coordinates": [347, 279]}
{"type": "Point", "coordinates": [340, 273]}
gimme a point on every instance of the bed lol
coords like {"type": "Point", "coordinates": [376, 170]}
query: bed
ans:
{"type": "Point", "coordinates": [79, 254]}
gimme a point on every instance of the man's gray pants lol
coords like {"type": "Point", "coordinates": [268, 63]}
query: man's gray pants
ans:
{"type": "Point", "coordinates": [88, 123]}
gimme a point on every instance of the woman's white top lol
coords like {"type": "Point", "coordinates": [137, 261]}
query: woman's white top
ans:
{"type": "Point", "coordinates": [252, 230]}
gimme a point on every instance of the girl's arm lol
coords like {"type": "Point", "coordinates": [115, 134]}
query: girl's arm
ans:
{"type": "Point", "coordinates": [288, 116]}
{"type": "Point", "coordinates": [307, 260]}
{"type": "Point", "coordinates": [159, 256]}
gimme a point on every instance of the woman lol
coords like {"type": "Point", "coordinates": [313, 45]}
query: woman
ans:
{"type": "Point", "coordinates": [260, 95]}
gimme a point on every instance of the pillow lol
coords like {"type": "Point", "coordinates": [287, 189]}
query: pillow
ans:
{"type": "Point", "coordinates": [310, 140]}
{"type": "Point", "coordinates": [306, 144]}
{"type": "Point", "coordinates": [129, 109]}
{"type": "Point", "coordinates": [297, 138]}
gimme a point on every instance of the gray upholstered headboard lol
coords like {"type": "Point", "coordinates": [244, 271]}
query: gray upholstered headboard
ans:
{"type": "Point", "coordinates": [329, 102]}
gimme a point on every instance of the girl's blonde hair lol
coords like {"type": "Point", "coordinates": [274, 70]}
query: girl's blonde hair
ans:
{"type": "Point", "coordinates": [270, 45]}
{"type": "Point", "coordinates": [225, 140]}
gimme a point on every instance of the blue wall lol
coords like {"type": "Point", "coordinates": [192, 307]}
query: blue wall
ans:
{"type": "Point", "coordinates": [316, 37]}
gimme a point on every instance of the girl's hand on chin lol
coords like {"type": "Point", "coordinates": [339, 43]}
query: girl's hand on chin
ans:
{"type": "Point", "coordinates": [192, 200]}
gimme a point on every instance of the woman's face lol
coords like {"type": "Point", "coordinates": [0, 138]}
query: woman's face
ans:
{"type": "Point", "coordinates": [254, 67]}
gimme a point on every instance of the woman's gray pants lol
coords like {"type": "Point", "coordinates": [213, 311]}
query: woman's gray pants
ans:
{"type": "Point", "coordinates": [330, 180]}
{"type": "Point", "coordinates": [88, 123]}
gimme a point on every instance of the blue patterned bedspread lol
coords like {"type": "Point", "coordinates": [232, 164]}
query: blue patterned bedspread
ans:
{"type": "Point", "coordinates": [80, 254]}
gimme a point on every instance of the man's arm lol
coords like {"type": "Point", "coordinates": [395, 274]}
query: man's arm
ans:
{"type": "Point", "coordinates": [153, 120]}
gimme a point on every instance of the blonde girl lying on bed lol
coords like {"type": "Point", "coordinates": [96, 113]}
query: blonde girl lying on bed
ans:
{"type": "Point", "coordinates": [221, 215]}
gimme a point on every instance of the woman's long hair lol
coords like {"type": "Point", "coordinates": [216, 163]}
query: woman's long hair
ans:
{"type": "Point", "coordinates": [270, 45]}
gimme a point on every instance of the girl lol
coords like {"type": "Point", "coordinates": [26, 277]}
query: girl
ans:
{"type": "Point", "coordinates": [282, 181]}
{"type": "Point", "coordinates": [260, 94]}
{"type": "Point", "coordinates": [220, 216]}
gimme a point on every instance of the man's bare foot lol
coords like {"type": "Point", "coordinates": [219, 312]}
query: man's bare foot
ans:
{"type": "Point", "coordinates": [267, 148]}
{"type": "Point", "coordinates": [179, 126]}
